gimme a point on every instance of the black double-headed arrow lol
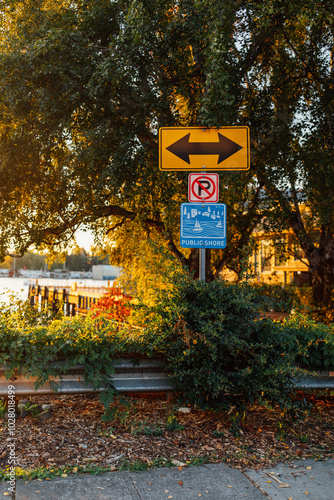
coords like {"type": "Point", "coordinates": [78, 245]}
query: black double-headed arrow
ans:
{"type": "Point", "coordinates": [223, 148]}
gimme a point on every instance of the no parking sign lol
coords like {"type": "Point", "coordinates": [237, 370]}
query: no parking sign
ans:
{"type": "Point", "coordinates": [203, 187]}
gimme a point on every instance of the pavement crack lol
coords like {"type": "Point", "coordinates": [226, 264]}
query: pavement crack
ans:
{"type": "Point", "coordinates": [255, 484]}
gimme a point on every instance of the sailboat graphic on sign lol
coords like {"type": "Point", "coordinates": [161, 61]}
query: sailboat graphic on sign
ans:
{"type": "Point", "coordinates": [202, 226]}
{"type": "Point", "coordinates": [197, 226]}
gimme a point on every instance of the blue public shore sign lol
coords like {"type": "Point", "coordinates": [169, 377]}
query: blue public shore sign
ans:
{"type": "Point", "coordinates": [203, 225]}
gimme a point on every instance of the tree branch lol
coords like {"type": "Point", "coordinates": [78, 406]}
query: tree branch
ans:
{"type": "Point", "coordinates": [306, 65]}
{"type": "Point", "coordinates": [250, 223]}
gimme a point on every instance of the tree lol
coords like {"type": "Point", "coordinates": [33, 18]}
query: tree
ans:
{"type": "Point", "coordinates": [30, 260]}
{"type": "Point", "coordinates": [281, 54]}
{"type": "Point", "coordinates": [79, 260]}
{"type": "Point", "coordinates": [85, 86]}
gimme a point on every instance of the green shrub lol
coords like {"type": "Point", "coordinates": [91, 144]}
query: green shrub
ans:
{"type": "Point", "coordinates": [316, 338]}
{"type": "Point", "coordinates": [276, 297]}
{"type": "Point", "coordinates": [217, 350]}
{"type": "Point", "coordinates": [3, 409]}
{"type": "Point", "coordinates": [287, 298]}
{"type": "Point", "coordinates": [44, 351]}
{"type": "Point", "coordinates": [19, 313]}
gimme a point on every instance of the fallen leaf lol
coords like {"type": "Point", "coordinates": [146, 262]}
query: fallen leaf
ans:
{"type": "Point", "coordinates": [184, 409]}
{"type": "Point", "coordinates": [63, 475]}
{"type": "Point", "coordinates": [309, 467]}
{"type": "Point", "coordinates": [178, 463]}
{"type": "Point", "coordinates": [180, 483]}
{"type": "Point", "coordinates": [117, 457]}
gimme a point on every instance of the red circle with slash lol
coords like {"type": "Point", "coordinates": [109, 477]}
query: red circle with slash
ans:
{"type": "Point", "coordinates": [203, 187]}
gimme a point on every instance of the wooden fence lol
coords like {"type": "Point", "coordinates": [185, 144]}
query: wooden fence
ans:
{"type": "Point", "coordinates": [75, 299]}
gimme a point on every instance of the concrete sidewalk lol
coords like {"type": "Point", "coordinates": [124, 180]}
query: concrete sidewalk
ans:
{"type": "Point", "coordinates": [303, 479]}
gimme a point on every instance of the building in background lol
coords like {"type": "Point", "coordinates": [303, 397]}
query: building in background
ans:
{"type": "Point", "coordinates": [105, 272]}
{"type": "Point", "coordinates": [283, 262]}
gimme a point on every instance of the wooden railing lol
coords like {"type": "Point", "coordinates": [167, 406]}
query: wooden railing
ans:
{"type": "Point", "coordinates": [75, 299]}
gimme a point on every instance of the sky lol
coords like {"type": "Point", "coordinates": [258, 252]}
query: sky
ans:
{"type": "Point", "coordinates": [84, 239]}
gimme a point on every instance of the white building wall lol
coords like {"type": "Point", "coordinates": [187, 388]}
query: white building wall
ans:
{"type": "Point", "coordinates": [106, 273]}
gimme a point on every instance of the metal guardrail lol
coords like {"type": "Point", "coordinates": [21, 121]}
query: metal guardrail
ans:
{"type": "Point", "coordinates": [131, 376]}
{"type": "Point", "coordinates": [316, 382]}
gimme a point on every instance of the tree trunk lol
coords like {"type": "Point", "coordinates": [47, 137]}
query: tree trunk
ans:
{"type": "Point", "coordinates": [321, 262]}
{"type": "Point", "coordinates": [322, 284]}
{"type": "Point", "coordinates": [193, 262]}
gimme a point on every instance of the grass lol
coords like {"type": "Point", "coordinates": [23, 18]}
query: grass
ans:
{"type": "Point", "coordinates": [44, 473]}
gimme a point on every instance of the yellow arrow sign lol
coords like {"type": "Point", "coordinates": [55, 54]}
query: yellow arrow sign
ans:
{"type": "Point", "coordinates": [195, 148]}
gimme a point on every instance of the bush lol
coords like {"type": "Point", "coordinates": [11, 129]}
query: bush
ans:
{"type": "Point", "coordinates": [289, 298]}
{"type": "Point", "coordinates": [18, 313]}
{"type": "Point", "coordinates": [276, 297]}
{"type": "Point", "coordinates": [217, 350]}
{"type": "Point", "coordinates": [113, 305]}
{"type": "Point", "coordinates": [316, 338]}
{"type": "Point", "coordinates": [51, 348]}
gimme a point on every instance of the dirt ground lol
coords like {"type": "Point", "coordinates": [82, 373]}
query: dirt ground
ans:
{"type": "Point", "coordinates": [146, 432]}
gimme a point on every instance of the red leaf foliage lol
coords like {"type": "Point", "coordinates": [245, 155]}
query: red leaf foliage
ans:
{"type": "Point", "coordinates": [113, 305]}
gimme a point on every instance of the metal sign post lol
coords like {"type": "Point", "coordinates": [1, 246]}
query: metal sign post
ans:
{"type": "Point", "coordinates": [202, 256]}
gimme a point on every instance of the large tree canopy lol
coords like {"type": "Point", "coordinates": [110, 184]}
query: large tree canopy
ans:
{"type": "Point", "coordinates": [85, 86]}
{"type": "Point", "coordinates": [287, 61]}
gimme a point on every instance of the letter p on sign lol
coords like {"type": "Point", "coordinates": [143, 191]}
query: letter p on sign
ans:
{"type": "Point", "coordinates": [203, 187]}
